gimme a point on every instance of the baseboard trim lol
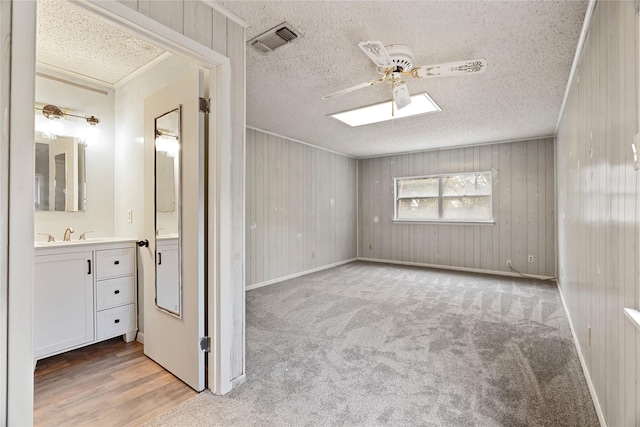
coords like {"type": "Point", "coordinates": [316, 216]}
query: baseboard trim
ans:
{"type": "Point", "coordinates": [140, 337]}
{"type": "Point", "coordinates": [238, 381]}
{"type": "Point", "coordinates": [301, 273]}
{"type": "Point", "coordinates": [449, 267]}
{"type": "Point", "coordinates": [585, 370]}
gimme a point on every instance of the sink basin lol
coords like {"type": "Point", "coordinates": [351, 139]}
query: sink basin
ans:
{"type": "Point", "coordinates": [89, 241]}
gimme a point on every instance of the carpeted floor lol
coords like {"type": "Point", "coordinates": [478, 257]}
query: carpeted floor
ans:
{"type": "Point", "coordinates": [374, 344]}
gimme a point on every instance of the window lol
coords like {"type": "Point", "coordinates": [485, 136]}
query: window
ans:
{"type": "Point", "coordinates": [461, 197]}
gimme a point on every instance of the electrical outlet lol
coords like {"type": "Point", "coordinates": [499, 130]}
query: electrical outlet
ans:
{"type": "Point", "coordinates": [130, 215]}
{"type": "Point", "coordinates": [508, 263]}
{"type": "Point", "coordinates": [530, 258]}
{"type": "Point", "coordinates": [589, 334]}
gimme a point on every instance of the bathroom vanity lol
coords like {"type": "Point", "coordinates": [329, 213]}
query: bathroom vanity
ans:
{"type": "Point", "coordinates": [84, 292]}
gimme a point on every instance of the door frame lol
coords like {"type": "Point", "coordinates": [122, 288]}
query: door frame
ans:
{"type": "Point", "coordinates": [218, 163]}
{"type": "Point", "coordinates": [16, 258]}
{"type": "Point", "coordinates": [17, 95]}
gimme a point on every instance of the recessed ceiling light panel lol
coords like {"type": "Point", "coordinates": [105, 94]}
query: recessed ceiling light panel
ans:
{"type": "Point", "coordinates": [420, 104]}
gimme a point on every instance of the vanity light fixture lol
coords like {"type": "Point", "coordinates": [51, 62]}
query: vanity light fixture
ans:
{"type": "Point", "coordinates": [51, 124]}
{"type": "Point", "coordinates": [52, 112]}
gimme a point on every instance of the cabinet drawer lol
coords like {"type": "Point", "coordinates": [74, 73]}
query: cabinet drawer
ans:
{"type": "Point", "coordinates": [115, 262]}
{"type": "Point", "coordinates": [115, 292]}
{"type": "Point", "coordinates": [115, 321]}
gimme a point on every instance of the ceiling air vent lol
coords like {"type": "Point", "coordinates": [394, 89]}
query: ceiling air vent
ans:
{"type": "Point", "coordinates": [274, 38]}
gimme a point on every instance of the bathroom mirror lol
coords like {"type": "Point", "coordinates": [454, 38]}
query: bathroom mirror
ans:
{"type": "Point", "coordinates": [60, 179]}
{"type": "Point", "coordinates": [167, 202]}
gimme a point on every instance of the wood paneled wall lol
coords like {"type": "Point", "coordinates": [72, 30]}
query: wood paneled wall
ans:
{"type": "Point", "coordinates": [301, 208]}
{"type": "Point", "coordinates": [207, 26]}
{"type": "Point", "coordinates": [523, 209]}
{"type": "Point", "coordinates": [597, 209]}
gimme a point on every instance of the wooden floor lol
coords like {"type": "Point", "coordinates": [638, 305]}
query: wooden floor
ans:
{"type": "Point", "coordinates": [111, 383]}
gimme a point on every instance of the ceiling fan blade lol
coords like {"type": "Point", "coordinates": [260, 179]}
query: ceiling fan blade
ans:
{"type": "Point", "coordinates": [401, 95]}
{"type": "Point", "coordinates": [354, 88]}
{"type": "Point", "coordinates": [377, 53]}
{"type": "Point", "coordinates": [474, 66]}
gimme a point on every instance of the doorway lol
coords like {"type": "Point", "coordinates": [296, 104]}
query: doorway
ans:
{"type": "Point", "coordinates": [89, 69]}
{"type": "Point", "coordinates": [221, 376]}
{"type": "Point", "coordinates": [155, 22]}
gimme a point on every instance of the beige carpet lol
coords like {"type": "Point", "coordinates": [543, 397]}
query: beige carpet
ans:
{"type": "Point", "coordinates": [372, 344]}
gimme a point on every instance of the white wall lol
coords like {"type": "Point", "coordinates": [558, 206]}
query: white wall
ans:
{"type": "Point", "coordinates": [597, 209]}
{"type": "Point", "coordinates": [523, 209]}
{"type": "Point", "coordinates": [129, 103]}
{"type": "Point", "coordinates": [129, 159]}
{"type": "Point", "coordinates": [301, 208]}
{"type": "Point", "coordinates": [98, 216]}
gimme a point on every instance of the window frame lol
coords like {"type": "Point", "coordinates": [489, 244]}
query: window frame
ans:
{"type": "Point", "coordinates": [440, 198]}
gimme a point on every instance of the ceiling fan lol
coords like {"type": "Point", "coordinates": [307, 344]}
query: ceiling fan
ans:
{"type": "Point", "coordinates": [396, 61]}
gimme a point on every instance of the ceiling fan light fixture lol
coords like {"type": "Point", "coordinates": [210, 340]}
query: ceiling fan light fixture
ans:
{"type": "Point", "coordinates": [401, 95]}
{"type": "Point", "coordinates": [402, 56]}
{"type": "Point", "coordinates": [420, 104]}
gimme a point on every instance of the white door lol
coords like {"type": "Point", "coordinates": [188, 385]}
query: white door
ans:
{"type": "Point", "coordinates": [173, 340]}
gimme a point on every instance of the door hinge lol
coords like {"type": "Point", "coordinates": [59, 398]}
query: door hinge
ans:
{"type": "Point", "coordinates": [205, 105]}
{"type": "Point", "coordinates": [205, 344]}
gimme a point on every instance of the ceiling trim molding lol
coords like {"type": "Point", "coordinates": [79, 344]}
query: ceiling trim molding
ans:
{"type": "Point", "coordinates": [456, 147]}
{"type": "Point", "coordinates": [576, 58]}
{"type": "Point", "coordinates": [224, 11]}
{"type": "Point", "coordinates": [301, 142]}
{"type": "Point", "coordinates": [105, 91]}
{"type": "Point", "coordinates": [142, 69]}
{"type": "Point", "coordinates": [75, 79]}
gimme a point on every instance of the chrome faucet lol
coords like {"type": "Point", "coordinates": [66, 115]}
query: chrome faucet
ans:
{"type": "Point", "coordinates": [50, 238]}
{"type": "Point", "coordinates": [84, 235]}
{"type": "Point", "coordinates": [67, 234]}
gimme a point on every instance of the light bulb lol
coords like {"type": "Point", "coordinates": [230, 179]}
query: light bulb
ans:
{"type": "Point", "coordinates": [168, 144]}
{"type": "Point", "coordinates": [90, 134]}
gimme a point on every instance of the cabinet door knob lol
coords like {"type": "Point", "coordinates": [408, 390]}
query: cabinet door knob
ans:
{"type": "Point", "coordinates": [116, 321]}
{"type": "Point", "coordinates": [117, 291]}
{"type": "Point", "coordinates": [116, 262]}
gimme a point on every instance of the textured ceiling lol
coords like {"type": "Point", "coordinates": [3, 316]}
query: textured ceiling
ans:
{"type": "Point", "coordinates": [529, 47]}
{"type": "Point", "coordinates": [71, 40]}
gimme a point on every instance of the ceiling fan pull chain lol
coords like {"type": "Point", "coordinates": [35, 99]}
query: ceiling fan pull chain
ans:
{"type": "Point", "coordinates": [393, 104]}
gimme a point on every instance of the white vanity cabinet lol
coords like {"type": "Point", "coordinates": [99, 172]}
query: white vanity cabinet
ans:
{"type": "Point", "coordinates": [63, 315]}
{"type": "Point", "coordinates": [84, 292]}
